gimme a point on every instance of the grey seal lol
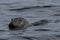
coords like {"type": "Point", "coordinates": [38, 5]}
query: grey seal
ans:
{"type": "Point", "coordinates": [20, 23]}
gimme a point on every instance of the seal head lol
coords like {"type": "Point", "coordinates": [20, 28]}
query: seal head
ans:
{"type": "Point", "coordinates": [18, 23]}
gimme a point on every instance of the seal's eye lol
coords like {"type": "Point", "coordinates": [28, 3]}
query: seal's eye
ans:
{"type": "Point", "coordinates": [20, 20]}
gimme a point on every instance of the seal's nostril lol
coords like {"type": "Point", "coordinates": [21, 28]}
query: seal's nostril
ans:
{"type": "Point", "coordinates": [11, 26]}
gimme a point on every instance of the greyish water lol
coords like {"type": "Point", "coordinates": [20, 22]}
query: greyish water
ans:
{"type": "Point", "coordinates": [32, 11]}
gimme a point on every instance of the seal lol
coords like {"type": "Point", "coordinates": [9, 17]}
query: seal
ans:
{"type": "Point", "coordinates": [18, 23]}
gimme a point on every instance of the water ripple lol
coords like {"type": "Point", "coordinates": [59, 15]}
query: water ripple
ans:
{"type": "Point", "coordinates": [31, 7]}
{"type": "Point", "coordinates": [43, 30]}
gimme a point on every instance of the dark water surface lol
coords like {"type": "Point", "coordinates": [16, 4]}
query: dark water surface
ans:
{"type": "Point", "coordinates": [32, 11]}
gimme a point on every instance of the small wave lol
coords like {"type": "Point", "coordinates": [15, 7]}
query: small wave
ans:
{"type": "Point", "coordinates": [29, 38]}
{"type": "Point", "coordinates": [24, 8]}
{"type": "Point", "coordinates": [57, 21]}
{"type": "Point", "coordinates": [58, 36]}
{"type": "Point", "coordinates": [42, 30]}
{"type": "Point", "coordinates": [9, 3]}
{"type": "Point", "coordinates": [56, 15]}
{"type": "Point", "coordinates": [5, 4]}
{"type": "Point", "coordinates": [41, 22]}
{"type": "Point", "coordinates": [4, 30]}
{"type": "Point", "coordinates": [31, 7]}
{"type": "Point", "coordinates": [3, 39]}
